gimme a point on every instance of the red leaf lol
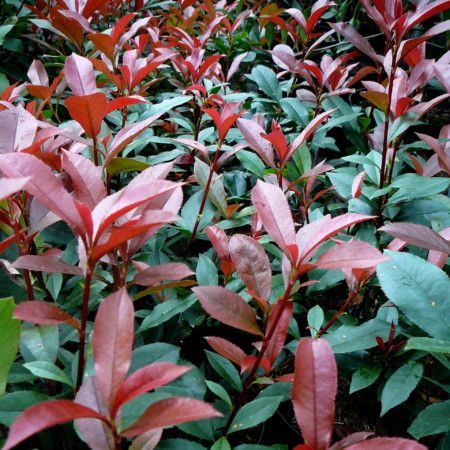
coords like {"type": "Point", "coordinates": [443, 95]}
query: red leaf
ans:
{"type": "Point", "coordinates": [45, 415]}
{"type": "Point", "coordinates": [9, 186]}
{"type": "Point", "coordinates": [314, 391]}
{"type": "Point", "coordinates": [252, 134]}
{"type": "Point", "coordinates": [86, 179]}
{"type": "Point", "coordinates": [91, 6]}
{"type": "Point", "coordinates": [80, 75]}
{"type": "Point", "coordinates": [103, 43]}
{"type": "Point", "coordinates": [227, 307]}
{"type": "Point", "coordinates": [227, 349]}
{"type": "Point", "coordinates": [149, 275]}
{"type": "Point", "coordinates": [44, 186]}
{"type": "Point", "coordinates": [385, 443]}
{"type": "Point", "coordinates": [310, 236]}
{"type": "Point", "coordinates": [351, 439]}
{"type": "Point", "coordinates": [113, 342]}
{"type": "Point", "coordinates": [219, 241]}
{"type": "Point", "coordinates": [122, 102]}
{"type": "Point", "coordinates": [360, 42]}
{"type": "Point", "coordinates": [278, 338]}
{"type": "Point", "coordinates": [127, 134]}
{"type": "Point", "coordinates": [417, 235]}
{"type": "Point", "coordinates": [306, 133]}
{"type": "Point", "coordinates": [426, 11]}
{"type": "Point", "coordinates": [48, 264]}
{"type": "Point", "coordinates": [42, 313]}
{"type": "Point", "coordinates": [252, 264]}
{"type": "Point", "coordinates": [357, 184]}
{"type": "Point", "coordinates": [272, 206]}
{"type": "Point", "coordinates": [351, 255]}
{"type": "Point", "coordinates": [249, 361]}
{"type": "Point", "coordinates": [317, 11]}
{"type": "Point", "coordinates": [146, 379]}
{"type": "Point", "coordinates": [95, 433]}
{"type": "Point", "coordinates": [170, 411]}
{"type": "Point", "coordinates": [88, 111]}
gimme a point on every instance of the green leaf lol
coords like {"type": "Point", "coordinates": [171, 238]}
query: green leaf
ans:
{"type": "Point", "coordinates": [4, 30]}
{"type": "Point", "coordinates": [219, 391]}
{"type": "Point", "coordinates": [164, 311]}
{"type": "Point", "coordinates": [39, 343]}
{"type": "Point", "coordinates": [365, 376]}
{"type": "Point", "coordinates": [255, 412]}
{"type": "Point", "coordinates": [221, 444]}
{"type": "Point", "coordinates": [428, 344]}
{"type": "Point", "coordinates": [119, 165]}
{"type": "Point", "coordinates": [400, 385]}
{"type": "Point", "coordinates": [190, 211]}
{"type": "Point", "coordinates": [216, 192]}
{"type": "Point", "coordinates": [267, 81]}
{"type": "Point", "coordinates": [151, 353]}
{"type": "Point", "coordinates": [44, 369]}
{"type": "Point", "coordinates": [225, 369]}
{"type": "Point", "coordinates": [295, 110]}
{"type": "Point", "coordinates": [419, 289]}
{"type": "Point", "coordinates": [251, 162]}
{"type": "Point", "coordinates": [164, 106]}
{"type": "Point", "coordinates": [178, 444]}
{"type": "Point", "coordinates": [11, 405]}
{"type": "Point", "coordinates": [348, 338]}
{"type": "Point", "coordinates": [9, 343]}
{"type": "Point", "coordinates": [315, 319]}
{"type": "Point", "coordinates": [206, 272]}
{"type": "Point", "coordinates": [435, 210]}
{"type": "Point", "coordinates": [201, 429]}
{"type": "Point", "coordinates": [432, 420]}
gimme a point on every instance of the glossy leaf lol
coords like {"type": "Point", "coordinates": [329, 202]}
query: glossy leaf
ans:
{"type": "Point", "coordinates": [112, 343]}
{"type": "Point", "coordinates": [365, 376]}
{"type": "Point", "coordinates": [432, 420]}
{"type": "Point", "coordinates": [43, 313]}
{"type": "Point", "coordinates": [227, 349]}
{"type": "Point", "coordinates": [171, 411]}
{"type": "Point", "coordinates": [9, 343]}
{"type": "Point", "coordinates": [46, 187]}
{"type": "Point", "coordinates": [428, 344]}
{"type": "Point", "coordinates": [146, 379]}
{"type": "Point", "coordinates": [351, 255]}
{"type": "Point", "coordinates": [400, 384]}
{"type": "Point", "coordinates": [9, 186]}
{"type": "Point", "coordinates": [252, 264]}
{"type": "Point", "coordinates": [44, 369]}
{"type": "Point", "coordinates": [227, 307]}
{"type": "Point", "coordinates": [17, 130]}
{"type": "Point", "coordinates": [80, 75]}
{"type": "Point", "coordinates": [419, 289]}
{"type": "Point", "coordinates": [88, 111]}
{"type": "Point", "coordinates": [384, 443]}
{"type": "Point", "coordinates": [149, 275]}
{"type": "Point", "coordinates": [314, 391]}
{"type": "Point", "coordinates": [41, 263]}
{"type": "Point", "coordinates": [275, 214]}
{"type": "Point", "coordinates": [45, 415]}
{"type": "Point", "coordinates": [417, 235]}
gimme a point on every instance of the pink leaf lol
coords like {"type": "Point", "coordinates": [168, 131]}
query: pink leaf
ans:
{"type": "Point", "coordinates": [252, 264]}
{"type": "Point", "coordinates": [312, 235]}
{"type": "Point", "coordinates": [42, 313]}
{"type": "Point", "coordinates": [278, 338]}
{"type": "Point", "coordinates": [37, 74]}
{"type": "Point", "coordinates": [45, 415]}
{"type": "Point", "coordinates": [357, 184]}
{"type": "Point", "coordinates": [17, 129]}
{"type": "Point", "coordinates": [9, 186]}
{"type": "Point", "coordinates": [146, 379]}
{"type": "Point", "coordinates": [227, 307]}
{"type": "Point", "coordinates": [227, 349]}
{"type": "Point", "coordinates": [306, 133]}
{"type": "Point", "coordinates": [272, 206]}
{"type": "Point", "coordinates": [44, 186]}
{"type": "Point", "coordinates": [170, 411]}
{"type": "Point", "coordinates": [86, 179]}
{"type": "Point", "coordinates": [423, 13]}
{"type": "Point", "coordinates": [149, 275]}
{"type": "Point", "coordinates": [284, 57]}
{"type": "Point", "coordinates": [47, 264]}
{"type": "Point", "coordinates": [351, 255]}
{"type": "Point", "coordinates": [360, 42]}
{"type": "Point", "coordinates": [112, 343]}
{"type": "Point", "coordinates": [252, 134]}
{"type": "Point", "coordinates": [95, 433]}
{"type": "Point", "coordinates": [385, 443]}
{"type": "Point", "coordinates": [80, 75]}
{"type": "Point", "coordinates": [351, 439]}
{"type": "Point", "coordinates": [417, 235]}
{"type": "Point", "coordinates": [314, 391]}
{"type": "Point", "coordinates": [219, 241]}
{"type": "Point", "coordinates": [127, 134]}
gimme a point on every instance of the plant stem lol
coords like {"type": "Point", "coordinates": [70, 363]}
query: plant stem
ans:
{"type": "Point", "coordinates": [267, 338]}
{"type": "Point", "coordinates": [205, 196]}
{"type": "Point", "coordinates": [84, 313]}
